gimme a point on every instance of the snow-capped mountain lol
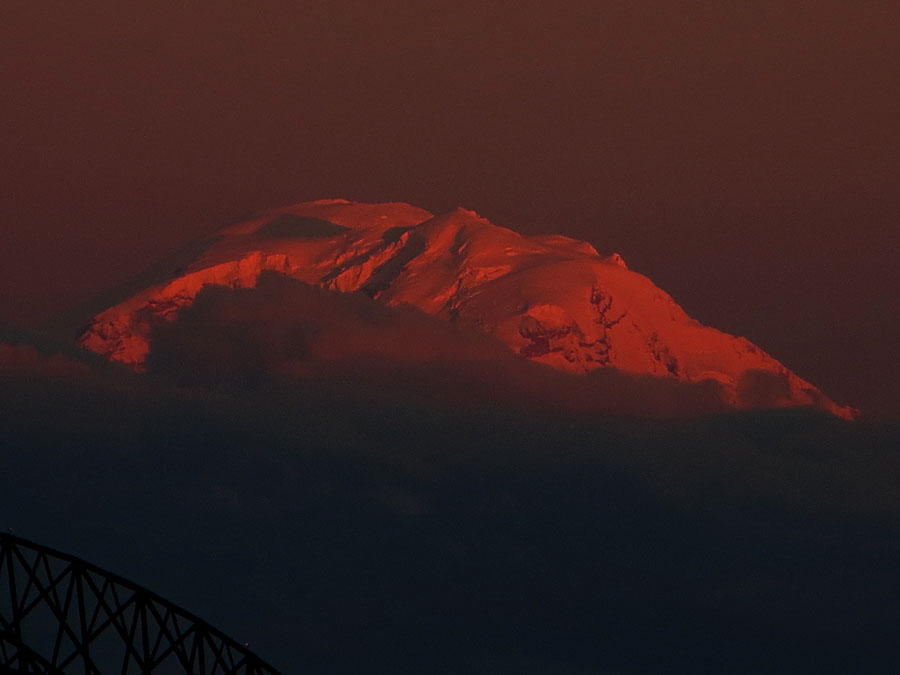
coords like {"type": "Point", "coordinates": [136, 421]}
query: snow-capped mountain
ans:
{"type": "Point", "coordinates": [550, 299]}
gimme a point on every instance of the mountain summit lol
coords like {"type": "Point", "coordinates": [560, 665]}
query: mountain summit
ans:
{"type": "Point", "coordinates": [550, 299]}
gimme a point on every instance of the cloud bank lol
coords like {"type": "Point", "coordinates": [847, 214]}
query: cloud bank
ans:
{"type": "Point", "coordinates": [283, 332]}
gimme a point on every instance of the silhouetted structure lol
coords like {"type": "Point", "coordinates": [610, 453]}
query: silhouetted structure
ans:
{"type": "Point", "coordinates": [59, 614]}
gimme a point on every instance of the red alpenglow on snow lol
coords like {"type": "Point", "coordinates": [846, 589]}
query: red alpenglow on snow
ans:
{"type": "Point", "coordinates": [550, 299]}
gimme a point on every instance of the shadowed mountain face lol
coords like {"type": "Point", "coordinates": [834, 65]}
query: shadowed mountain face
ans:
{"type": "Point", "coordinates": [548, 299]}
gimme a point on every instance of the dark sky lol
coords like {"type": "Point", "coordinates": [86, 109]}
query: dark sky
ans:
{"type": "Point", "coordinates": [745, 156]}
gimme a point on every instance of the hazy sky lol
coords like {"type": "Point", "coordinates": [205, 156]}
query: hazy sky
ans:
{"type": "Point", "coordinates": [745, 156]}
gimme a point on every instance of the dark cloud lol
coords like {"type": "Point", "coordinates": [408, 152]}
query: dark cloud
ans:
{"type": "Point", "coordinates": [26, 351]}
{"type": "Point", "coordinates": [26, 358]}
{"type": "Point", "coordinates": [285, 331]}
{"type": "Point", "coordinates": [763, 389]}
{"type": "Point", "coordinates": [246, 336]}
{"type": "Point", "coordinates": [23, 349]}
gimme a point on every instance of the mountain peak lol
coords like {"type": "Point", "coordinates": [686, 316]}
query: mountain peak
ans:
{"type": "Point", "coordinates": [549, 298]}
{"type": "Point", "coordinates": [616, 259]}
{"type": "Point", "coordinates": [469, 213]}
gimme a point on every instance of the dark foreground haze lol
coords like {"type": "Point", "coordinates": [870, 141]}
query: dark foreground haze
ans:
{"type": "Point", "coordinates": [378, 518]}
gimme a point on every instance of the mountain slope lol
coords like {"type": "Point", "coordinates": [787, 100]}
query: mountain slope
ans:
{"type": "Point", "coordinates": [550, 299]}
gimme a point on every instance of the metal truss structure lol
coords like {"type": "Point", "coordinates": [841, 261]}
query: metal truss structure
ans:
{"type": "Point", "coordinates": [59, 614]}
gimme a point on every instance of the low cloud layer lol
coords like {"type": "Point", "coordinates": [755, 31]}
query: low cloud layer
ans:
{"type": "Point", "coordinates": [25, 358]}
{"type": "Point", "coordinates": [284, 331]}
{"type": "Point", "coordinates": [24, 351]}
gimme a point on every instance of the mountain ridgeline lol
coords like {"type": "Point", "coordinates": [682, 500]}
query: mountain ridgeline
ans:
{"type": "Point", "coordinates": [548, 299]}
